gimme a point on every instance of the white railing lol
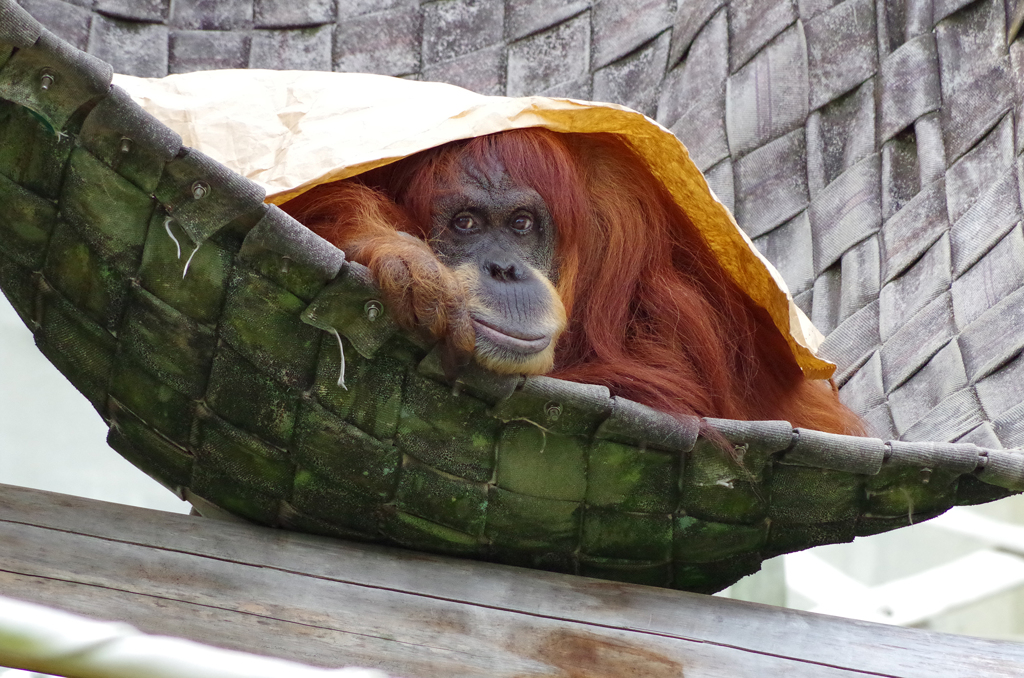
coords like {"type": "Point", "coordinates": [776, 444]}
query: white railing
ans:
{"type": "Point", "coordinates": [40, 639]}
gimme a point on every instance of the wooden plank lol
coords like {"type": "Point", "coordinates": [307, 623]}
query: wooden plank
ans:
{"type": "Point", "coordinates": [332, 603]}
{"type": "Point", "coordinates": [331, 623]}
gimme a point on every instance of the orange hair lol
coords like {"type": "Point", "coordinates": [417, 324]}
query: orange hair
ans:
{"type": "Point", "coordinates": [652, 314]}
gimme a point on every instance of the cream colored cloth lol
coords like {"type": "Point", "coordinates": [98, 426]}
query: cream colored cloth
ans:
{"type": "Point", "coordinates": [292, 130]}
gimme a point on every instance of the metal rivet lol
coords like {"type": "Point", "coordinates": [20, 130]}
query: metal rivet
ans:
{"type": "Point", "coordinates": [126, 144]}
{"type": "Point", "coordinates": [926, 475]}
{"type": "Point", "coordinates": [200, 189]}
{"type": "Point", "coordinates": [373, 309]}
{"type": "Point", "coordinates": [740, 449]}
{"type": "Point", "coordinates": [46, 79]}
{"type": "Point", "coordinates": [553, 410]}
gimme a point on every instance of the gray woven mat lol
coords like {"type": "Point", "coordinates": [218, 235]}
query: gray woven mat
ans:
{"type": "Point", "coordinates": [870, 149]}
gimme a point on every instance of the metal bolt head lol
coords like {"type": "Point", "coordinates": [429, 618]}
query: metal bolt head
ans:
{"type": "Point", "coordinates": [553, 410]}
{"type": "Point", "coordinates": [373, 309]}
{"type": "Point", "coordinates": [126, 144]}
{"type": "Point", "coordinates": [200, 189]}
{"type": "Point", "coordinates": [46, 79]}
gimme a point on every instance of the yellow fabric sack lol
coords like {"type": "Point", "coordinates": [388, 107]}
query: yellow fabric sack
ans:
{"type": "Point", "coordinates": [292, 130]}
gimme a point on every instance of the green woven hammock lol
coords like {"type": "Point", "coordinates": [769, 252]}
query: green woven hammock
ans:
{"type": "Point", "coordinates": [198, 321]}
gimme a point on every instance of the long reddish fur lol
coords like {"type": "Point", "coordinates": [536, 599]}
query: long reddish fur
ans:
{"type": "Point", "coordinates": [652, 314]}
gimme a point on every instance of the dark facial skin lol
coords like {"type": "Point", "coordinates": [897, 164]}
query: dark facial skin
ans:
{"type": "Point", "coordinates": [500, 238]}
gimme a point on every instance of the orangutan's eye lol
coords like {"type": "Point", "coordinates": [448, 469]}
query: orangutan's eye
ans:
{"type": "Point", "coordinates": [522, 223]}
{"type": "Point", "coordinates": [465, 223]}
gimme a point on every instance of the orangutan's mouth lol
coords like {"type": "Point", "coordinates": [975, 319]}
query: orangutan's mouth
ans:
{"type": "Point", "coordinates": [518, 342]}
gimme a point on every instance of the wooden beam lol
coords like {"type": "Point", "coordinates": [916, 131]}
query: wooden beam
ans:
{"type": "Point", "coordinates": [332, 603]}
